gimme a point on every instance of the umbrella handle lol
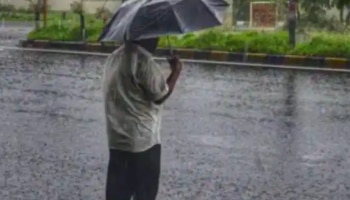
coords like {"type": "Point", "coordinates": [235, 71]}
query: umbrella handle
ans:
{"type": "Point", "coordinates": [169, 46]}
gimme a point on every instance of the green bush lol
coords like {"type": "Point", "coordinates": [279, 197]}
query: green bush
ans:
{"type": "Point", "coordinates": [22, 15]}
{"type": "Point", "coordinates": [336, 45]}
{"type": "Point", "coordinates": [13, 16]}
{"type": "Point", "coordinates": [77, 7]}
{"type": "Point", "coordinates": [66, 32]}
{"type": "Point", "coordinates": [322, 44]}
{"type": "Point", "coordinates": [102, 11]}
{"type": "Point", "coordinates": [276, 42]}
{"type": "Point", "coordinates": [7, 8]}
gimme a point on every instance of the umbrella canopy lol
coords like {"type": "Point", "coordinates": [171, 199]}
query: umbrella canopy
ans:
{"type": "Point", "coordinates": [142, 19]}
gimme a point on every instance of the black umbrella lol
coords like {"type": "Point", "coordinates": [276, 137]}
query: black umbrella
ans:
{"type": "Point", "coordinates": [142, 19]}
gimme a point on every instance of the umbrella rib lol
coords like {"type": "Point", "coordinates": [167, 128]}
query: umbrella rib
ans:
{"type": "Point", "coordinates": [177, 20]}
{"type": "Point", "coordinates": [211, 11]}
{"type": "Point", "coordinates": [107, 26]}
{"type": "Point", "coordinates": [133, 18]}
{"type": "Point", "coordinates": [177, 24]}
{"type": "Point", "coordinates": [160, 19]}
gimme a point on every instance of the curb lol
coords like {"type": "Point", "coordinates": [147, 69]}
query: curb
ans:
{"type": "Point", "coordinates": [261, 58]}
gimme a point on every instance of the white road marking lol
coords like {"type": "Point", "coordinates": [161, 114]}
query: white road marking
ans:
{"type": "Point", "coordinates": [244, 64]}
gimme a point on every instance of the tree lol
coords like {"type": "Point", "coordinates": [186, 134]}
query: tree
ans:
{"type": "Point", "coordinates": [314, 9]}
{"type": "Point", "coordinates": [239, 10]}
{"type": "Point", "coordinates": [77, 7]}
{"type": "Point", "coordinates": [341, 5]}
{"type": "Point", "coordinates": [36, 11]}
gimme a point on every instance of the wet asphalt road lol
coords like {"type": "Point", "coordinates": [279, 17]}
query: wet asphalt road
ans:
{"type": "Point", "coordinates": [11, 32]}
{"type": "Point", "coordinates": [228, 133]}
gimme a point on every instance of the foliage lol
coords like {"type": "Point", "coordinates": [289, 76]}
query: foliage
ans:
{"type": "Point", "coordinates": [320, 44]}
{"type": "Point", "coordinates": [315, 12]}
{"type": "Point", "coordinates": [13, 16]}
{"type": "Point", "coordinates": [10, 9]}
{"type": "Point", "coordinates": [31, 7]}
{"type": "Point", "coordinates": [341, 5]}
{"type": "Point", "coordinates": [102, 11]}
{"type": "Point", "coordinates": [7, 8]}
{"type": "Point", "coordinates": [255, 42]}
{"type": "Point", "coordinates": [53, 16]}
{"type": "Point", "coordinates": [67, 31]}
{"type": "Point", "coordinates": [77, 7]}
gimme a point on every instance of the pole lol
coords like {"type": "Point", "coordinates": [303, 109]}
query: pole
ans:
{"type": "Point", "coordinates": [45, 12]}
{"type": "Point", "coordinates": [36, 16]}
{"type": "Point", "coordinates": [292, 21]}
{"type": "Point", "coordinates": [2, 19]}
{"type": "Point", "coordinates": [82, 22]}
{"type": "Point", "coordinates": [234, 16]}
{"type": "Point", "coordinates": [82, 27]}
{"type": "Point", "coordinates": [40, 7]}
{"type": "Point", "coordinates": [104, 15]}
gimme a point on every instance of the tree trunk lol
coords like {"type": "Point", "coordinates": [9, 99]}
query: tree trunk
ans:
{"type": "Point", "coordinates": [347, 19]}
{"type": "Point", "coordinates": [234, 13]}
{"type": "Point", "coordinates": [341, 15]}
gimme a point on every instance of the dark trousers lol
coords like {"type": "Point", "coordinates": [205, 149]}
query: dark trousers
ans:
{"type": "Point", "coordinates": [133, 174]}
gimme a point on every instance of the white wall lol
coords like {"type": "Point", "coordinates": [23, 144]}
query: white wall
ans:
{"type": "Point", "coordinates": [16, 3]}
{"type": "Point", "coordinates": [90, 6]}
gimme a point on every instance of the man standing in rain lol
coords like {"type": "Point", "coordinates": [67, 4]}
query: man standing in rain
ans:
{"type": "Point", "coordinates": [134, 91]}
